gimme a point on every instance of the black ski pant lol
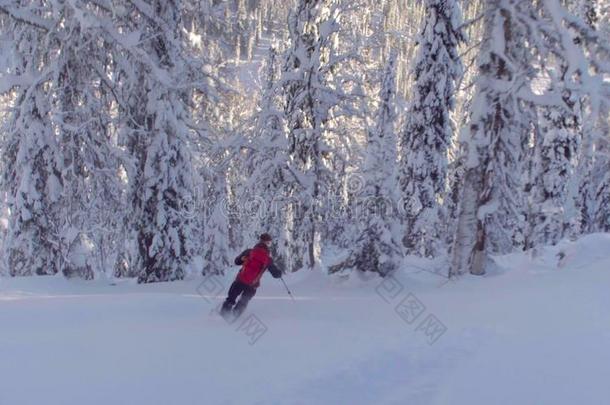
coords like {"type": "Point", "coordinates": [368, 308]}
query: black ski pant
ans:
{"type": "Point", "coordinates": [237, 288]}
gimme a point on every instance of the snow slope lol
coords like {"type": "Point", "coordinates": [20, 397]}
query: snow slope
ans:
{"type": "Point", "coordinates": [534, 332]}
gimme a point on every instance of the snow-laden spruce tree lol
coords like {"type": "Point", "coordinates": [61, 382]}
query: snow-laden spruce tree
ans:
{"type": "Point", "coordinates": [308, 103]}
{"type": "Point", "coordinates": [91, 201]}
{"type": "Point", "coordinates": [32, 177]}
{"type": "Point", "coordinates": [554, 186]}
{"type": "Point", "coordinates": [377, 246]}
{"type": "Point", "coordinates": [555, 154]}
{"type": "Point", "coordinates": [82, 44]}
{"type": "Point", "coordinates": [586, 12]}
{"type": "Point", "coordinates": [602, 212]}
{"type": "Point", "coordinates": [131, 137]}
{"type": "Point", "coordinates": [426, 137]}
{"type": "Point", "coordinates": [217, 254]}
{"type": "Point", "coordinates": [352, 73]}
{"type": "Point", "coordinates": [263, 194]}
{"type": "Point", "coordinates": [601, 168]}
{"type": "Point", "coordinates": [583, 53]}
{"type": "Point", "coordinates": [601, 173]}
{"type": "Point", "coordinates": [490, 199]}
{"type": "Point", "coordinates": [165, 230]}
{"type": "Point", "coordinates": [220, 221]}
{"type": "Point", "coordinates": [164, 237]}
{"type": "Point", "coordinates": [490, 193]}
{"type": "Point", "coordinates": [32, 162]}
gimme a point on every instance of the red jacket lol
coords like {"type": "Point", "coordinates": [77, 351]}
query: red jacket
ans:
{"type": "Point", "coordinates": [254, 263]}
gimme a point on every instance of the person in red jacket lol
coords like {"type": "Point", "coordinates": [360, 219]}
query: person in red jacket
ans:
{"type": "Point", "coordinates": [254, 262]}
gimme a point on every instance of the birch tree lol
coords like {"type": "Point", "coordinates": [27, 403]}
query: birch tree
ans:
{"type": "Point", "coordinates": [490, 198]}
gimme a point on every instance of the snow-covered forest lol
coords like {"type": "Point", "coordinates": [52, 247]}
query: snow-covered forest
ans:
{"type": "Point", "coordinates": [153, 139]}
{"type": "Point", "coordinates": [427, 181]}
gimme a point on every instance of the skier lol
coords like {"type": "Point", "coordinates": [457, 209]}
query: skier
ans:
{"type": "Point", "coordinates": [254, 262]}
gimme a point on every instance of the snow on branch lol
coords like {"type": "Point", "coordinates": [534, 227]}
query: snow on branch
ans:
{"type": "Point", "coordinates": [26, 17]}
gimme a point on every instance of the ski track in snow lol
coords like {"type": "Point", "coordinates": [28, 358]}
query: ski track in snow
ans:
{"type": "Point", "coordinates": [534, 333]}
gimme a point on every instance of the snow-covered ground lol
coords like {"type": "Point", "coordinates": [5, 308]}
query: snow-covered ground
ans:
{"type": "Point", "coordinates": [535, 332]}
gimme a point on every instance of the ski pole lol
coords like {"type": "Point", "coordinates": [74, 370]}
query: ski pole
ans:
{"type": "Point", "coordinates": [287, 289]}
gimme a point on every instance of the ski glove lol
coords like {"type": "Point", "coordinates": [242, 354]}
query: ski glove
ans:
{"type": "Point", "coordinates": [275, 272]}
{"type": "Point", "coordinates": [239, 260]}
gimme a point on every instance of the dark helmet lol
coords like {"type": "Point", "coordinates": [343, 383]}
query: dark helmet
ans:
{"type": "Point", "coordinates": [265, 237]}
